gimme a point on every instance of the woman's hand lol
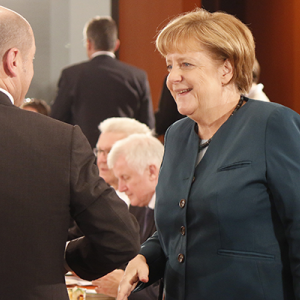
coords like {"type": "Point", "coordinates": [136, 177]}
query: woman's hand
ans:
{"type": "Point", "coordinates": [108, 284]}
{"type": "Point", "coordinates": [137, 270]}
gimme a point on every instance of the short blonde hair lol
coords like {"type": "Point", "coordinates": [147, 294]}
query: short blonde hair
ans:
{"type": "Point", "coordinates": [223, 35]}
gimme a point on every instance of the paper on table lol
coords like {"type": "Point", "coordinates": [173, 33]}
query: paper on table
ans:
{"type": "Point", "coordinates": [73, 280]}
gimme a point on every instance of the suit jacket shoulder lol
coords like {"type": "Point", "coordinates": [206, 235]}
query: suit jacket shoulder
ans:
{"type": "Point", "coordinates": [48, 175]}
{"type": "Point", "coordinates": [85, 89]}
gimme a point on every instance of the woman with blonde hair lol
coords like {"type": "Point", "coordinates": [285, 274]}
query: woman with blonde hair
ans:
{"type": "Point", "coordinates": [228, 195]}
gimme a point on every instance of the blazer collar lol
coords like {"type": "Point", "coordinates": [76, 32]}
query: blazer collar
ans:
{"type": "Point", "coordinates": [4, 99]}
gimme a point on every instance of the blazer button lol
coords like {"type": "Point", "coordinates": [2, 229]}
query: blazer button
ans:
{"type": "Point", "coordinates": [182, 203]}
{"type": "Point", "coordinates": [194, 178]}
{"type": "Point", "coordinates": [180, 257]}
{"type": "Point", "coordinates": [182, 230]}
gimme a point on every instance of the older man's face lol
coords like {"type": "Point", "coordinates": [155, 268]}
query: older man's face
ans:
{"type": "Point", "coordinates": [138, 187]}
{"type": "Point", "coordinates": [104, 145]}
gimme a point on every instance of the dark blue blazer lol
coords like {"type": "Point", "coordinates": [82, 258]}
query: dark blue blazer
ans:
{"type": "Point", "coordinates": [229, 228]}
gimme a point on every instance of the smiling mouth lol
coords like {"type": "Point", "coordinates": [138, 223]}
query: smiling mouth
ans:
{"type": "Point", "coordinates": [184, 91]}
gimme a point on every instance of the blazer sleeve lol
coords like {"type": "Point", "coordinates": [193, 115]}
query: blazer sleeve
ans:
{"type": "Point", "coordinates": [111, 233]}
{"type": "Point", "coordinates": [61, 108]}
{"type": "Point", "coordinates": [156, 261]}
{"type": "Point", "coordinates": [283, 176]}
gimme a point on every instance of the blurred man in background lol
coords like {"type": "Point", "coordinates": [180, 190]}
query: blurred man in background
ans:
{"type": "Point", "coordinates": [103, 87]}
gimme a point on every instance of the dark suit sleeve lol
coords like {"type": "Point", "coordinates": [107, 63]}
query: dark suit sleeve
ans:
{"type": "Point", "coordinates": [283, 175]}
{"type": "Point", "coordinates": [111, 233]}
{"type": "Point", "coordinates": [167, 112]}
{"type": "Point", "coordinates": [149, 293]}
{"type": "Point", "coordinates": [145, 113]}
{"type": "Point", "coordinates": [61, 109]}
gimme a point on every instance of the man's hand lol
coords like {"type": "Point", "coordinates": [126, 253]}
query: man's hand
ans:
{"type": "Point", "coordinates": [108, 284]}
{"type": "Point", "coordinates": [137, 270]}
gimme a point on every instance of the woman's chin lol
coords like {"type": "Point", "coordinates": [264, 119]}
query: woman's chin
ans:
{"type": "Point", "coordinates": [184, 111]}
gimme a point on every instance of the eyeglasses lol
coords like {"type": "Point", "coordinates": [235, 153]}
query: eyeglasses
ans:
{"type": "Point", "coordinates": [97, 152]}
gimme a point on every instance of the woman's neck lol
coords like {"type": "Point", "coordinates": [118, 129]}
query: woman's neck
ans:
{"type": "Point", "coordinates": [209, 120]}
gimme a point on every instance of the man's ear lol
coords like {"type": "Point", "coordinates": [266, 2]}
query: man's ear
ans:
{"type": "Point", "coordinates": [227, 72]}
{"type": "Point", "coordinates": [153, 172]}
{"type": "Point", "coordinates": [117, 45]}
{"type": "Point", "coordinates": [89, 45]}
{"type": "Point", "coordinates": [11, 61]}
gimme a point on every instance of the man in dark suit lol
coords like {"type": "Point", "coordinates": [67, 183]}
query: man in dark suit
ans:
{"type": "Point", "coordinates": [48, 175]}
{"type": "Point", "coordinates": [112, 130]}
{"type": "Point", "coordinates": [102, 87]}
{"type": "Point", "coordinates": [135, 161]}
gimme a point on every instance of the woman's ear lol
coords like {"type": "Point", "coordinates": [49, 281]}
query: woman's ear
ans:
{"type": "Point", "coordinates": [11, 62]}
{"type": "Point", "coordinates": [227, 72]}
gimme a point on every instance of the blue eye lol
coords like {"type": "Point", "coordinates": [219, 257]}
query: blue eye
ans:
{"type": "Point", "coordinates": [186, 64]}
{"type": "Point", "coordinates": [169, 68]}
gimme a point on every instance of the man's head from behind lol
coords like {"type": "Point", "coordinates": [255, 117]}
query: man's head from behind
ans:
{"type": "Point", "coordinates": [112, 130]}
{"type": "Point", "coordinates": [17, 49]}
{"type": "Point", "coordinates": [101, 34]}
{"type": "Point", "coordinates": [136, 161]}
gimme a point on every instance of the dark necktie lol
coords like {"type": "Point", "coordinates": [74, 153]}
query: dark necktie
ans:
{"type": "Point", "coordinates": [149, 216]}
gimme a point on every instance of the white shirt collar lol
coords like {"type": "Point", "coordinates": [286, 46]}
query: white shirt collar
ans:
{"type": "Point", "coordinates": [8, 95]}
{"type": "Point", "coordinates": [109, 53]}
{"type": "Point", "coordinates": [152, 201]}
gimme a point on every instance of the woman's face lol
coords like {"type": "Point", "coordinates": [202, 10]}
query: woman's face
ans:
{"type": "Point", "coordinates": [194, 80]}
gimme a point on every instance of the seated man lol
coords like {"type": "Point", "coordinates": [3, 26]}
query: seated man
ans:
{"type": "Point", "coordinates": [136, 162]}
{"type": "Point", "coordinates": [112, 130]}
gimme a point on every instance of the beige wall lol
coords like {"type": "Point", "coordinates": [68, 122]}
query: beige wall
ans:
{"type": "Point", "coordinates": [57, 25]}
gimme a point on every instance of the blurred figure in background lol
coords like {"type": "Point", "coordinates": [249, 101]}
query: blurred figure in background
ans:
{"type": "Point", "coordinates": [256, 91]}
{"type": "Point", "coordinates": [103, 87]}
{"type": "Point", "coordinates": [36, 105]}
{"type": "Point", "coordinates": [167, 112]}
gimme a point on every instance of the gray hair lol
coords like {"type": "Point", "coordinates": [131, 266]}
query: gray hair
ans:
{"type": "Point", "coordinates": [103, 32]}
{"type": "Point", "coordinates": [124, 125]}
{"type": "Point", "coordinates": [139, 150]}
